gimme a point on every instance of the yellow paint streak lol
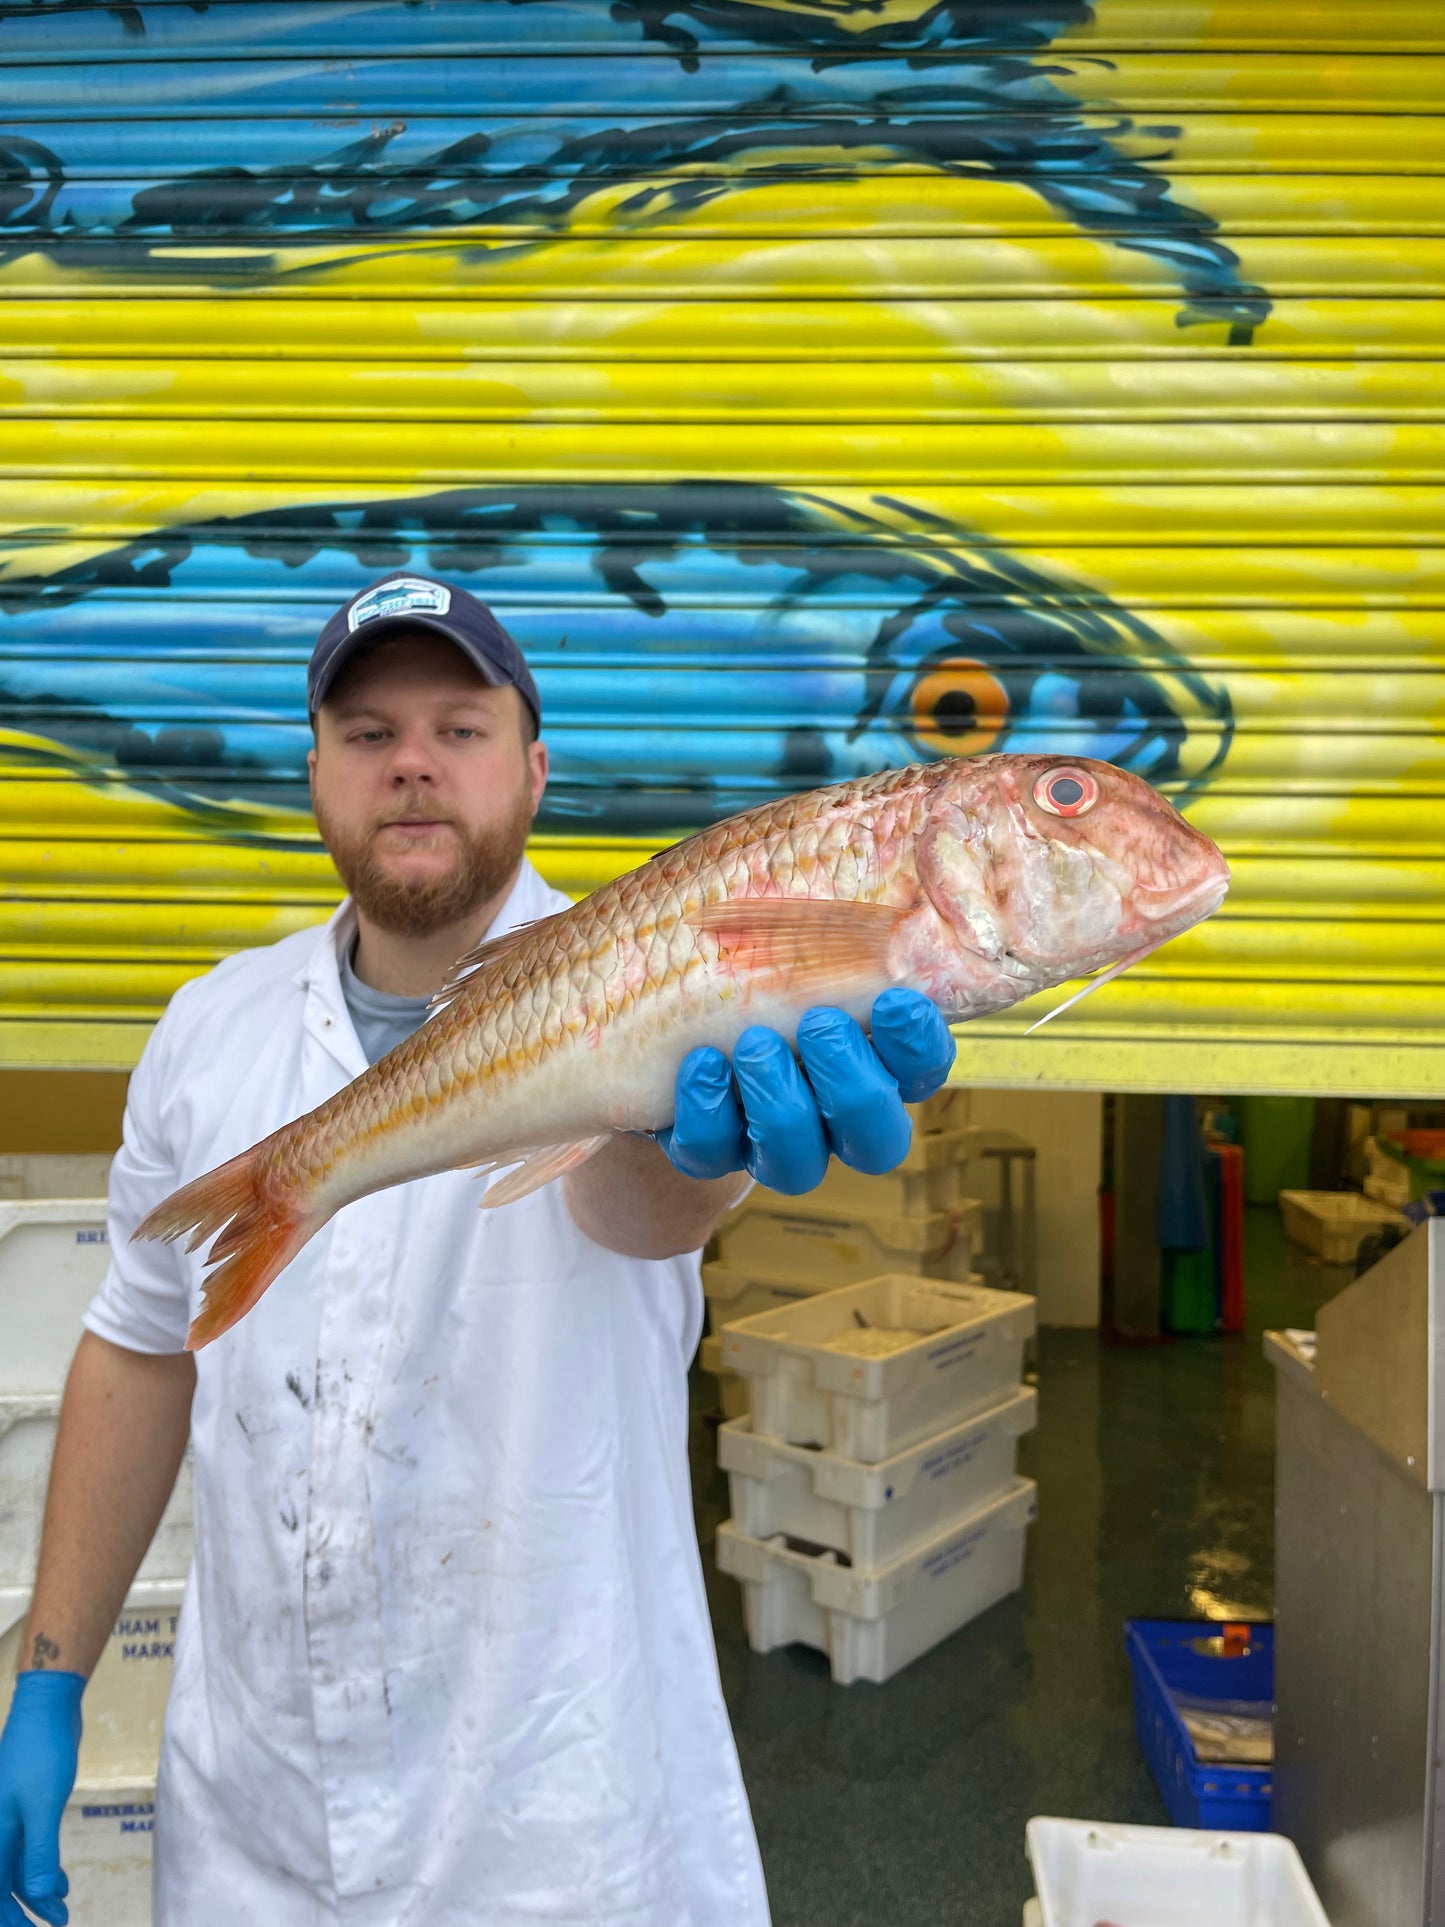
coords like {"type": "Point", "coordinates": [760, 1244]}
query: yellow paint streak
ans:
{"type": "Point", "coordinates": [931, 455]}
{"type": "Point", "coordinates": [649, 269]}
{"type": "Point", "coordinates": [1257, 83]}
{"type": "Point", "coordinates": [452, 328]}
{"type": "Point", "coordinates": [635, 391]}
{"type": "Point", "coordinates": [1293, 26]}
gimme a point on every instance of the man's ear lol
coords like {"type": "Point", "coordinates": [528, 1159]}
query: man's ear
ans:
{"type": "Point", "coordinates": [537, 770]}
{"type": "Point", "coordinates": [311, 768]}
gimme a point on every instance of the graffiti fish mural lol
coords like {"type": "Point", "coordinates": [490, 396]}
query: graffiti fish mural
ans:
{"type": "Point", "coordinates": [943, 93]}
{"type": "Point", "coordinates": [810, 389]}
{"type": "Point", "coordinates": [698, 649]}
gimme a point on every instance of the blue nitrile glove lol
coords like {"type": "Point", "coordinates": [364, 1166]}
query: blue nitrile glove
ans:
{"type": "Point", "coordinates": [38, 1753]}
{"type": "Point", "coordinates": [767, 1114]}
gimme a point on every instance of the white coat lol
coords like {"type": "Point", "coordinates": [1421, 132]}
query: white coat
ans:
{"type": "Point", "coordinates": [445, 1654]}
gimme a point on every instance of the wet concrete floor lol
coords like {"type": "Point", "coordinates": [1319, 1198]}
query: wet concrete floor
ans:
{"type": "Point", "coordinates": [905, 1805]}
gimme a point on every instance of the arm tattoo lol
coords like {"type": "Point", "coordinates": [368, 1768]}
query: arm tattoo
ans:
{"type": "Point", "coordinates": [44, 1653]}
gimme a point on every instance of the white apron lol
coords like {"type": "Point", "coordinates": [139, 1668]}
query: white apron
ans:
{"type": "Point", "coordinates": [445, 1655]}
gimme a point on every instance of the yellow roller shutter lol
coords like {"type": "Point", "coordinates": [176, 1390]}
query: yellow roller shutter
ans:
{"type": "Point", "coordinates": [808, 388]}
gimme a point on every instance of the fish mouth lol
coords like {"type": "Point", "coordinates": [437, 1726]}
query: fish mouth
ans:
{"type": "Point", "coordinates": [1194, 905]}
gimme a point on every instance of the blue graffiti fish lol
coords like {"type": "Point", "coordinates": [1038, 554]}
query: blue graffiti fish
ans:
{"type": "Point", "coordinates": [114, 153]}
{"type": "Point", "coordinates": [699, 648]}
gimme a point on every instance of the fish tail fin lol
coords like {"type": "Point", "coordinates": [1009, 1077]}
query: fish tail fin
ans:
{"type": "Point", "coordinates": [260, 1231]}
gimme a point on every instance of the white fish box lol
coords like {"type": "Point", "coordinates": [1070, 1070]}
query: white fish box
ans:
{"type": "Point", "coordinates": [105, 1849]}
{"type": "Point", "coordinates": [947, 1110]}
{"type": "Point", "coordinates": [44, 1176]}
{"type": "Point", "coordinates": [1388, 1181]}
{"type": "Point", "coordinates": [805, 1239]}
{"type": "Point", "coordinates": [125, 1703]}
{"type": "Point", "coordinates": [732, 1391]}
{"type": "Point", "coordinates": [872, 1624]}
{"type": "Point", "coordinates": [1087, 1872]}
{"type": "Point", "coordinates": [873, 1513]}
{"type": "Point", "coordinates": [732, 1294]}
{"type": "Point", "coordinates": [929, 1179]}
{"type": "Point", "coordinates": [53, 1255]}
{"type": "Point", "coordinates": [27, 1439]}
{"type": "Point", "coordinates": [1388, 1191]}
{"type": "Point", "coordinates": [927, 1356]}
{"type": "Point", "coordinates": [1332, 1224]}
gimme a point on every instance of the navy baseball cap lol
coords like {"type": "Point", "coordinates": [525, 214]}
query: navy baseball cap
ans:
{"type": "Point", "coordinates": [401, 602]}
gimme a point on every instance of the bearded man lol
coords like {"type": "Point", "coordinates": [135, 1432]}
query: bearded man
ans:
{"type": "Point", "coordinates": [445, 1654]}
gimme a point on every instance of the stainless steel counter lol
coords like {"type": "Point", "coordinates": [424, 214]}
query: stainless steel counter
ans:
{"type": "Point", "coordinates": [1360, 1506]}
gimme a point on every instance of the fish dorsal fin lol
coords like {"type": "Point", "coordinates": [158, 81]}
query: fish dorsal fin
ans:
{"type": "Point", "coordinates": [537, 1168]}
{"type": "Point", "coordinates": [484, 953]}
{"type": "Point", "coordinates": [815, 942]}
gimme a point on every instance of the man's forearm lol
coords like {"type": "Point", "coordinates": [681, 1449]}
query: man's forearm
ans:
{"type": "Point", "coordinates": [629, 1198]}
{"type": "Point", "coordinates": [124, 1421]}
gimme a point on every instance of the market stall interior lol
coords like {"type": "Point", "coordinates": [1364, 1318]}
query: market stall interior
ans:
{"type": "Point", "coordinates": [941, 1567]}
{"type": "Point", "coordinates": [1154, 1458]}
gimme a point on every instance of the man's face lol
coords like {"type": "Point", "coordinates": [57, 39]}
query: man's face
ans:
{"type": "Point", "coordinates": [424, 784]}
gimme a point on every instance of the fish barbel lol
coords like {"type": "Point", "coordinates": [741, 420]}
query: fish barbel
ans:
{"type": "Point", "coordinates": [975, 881]}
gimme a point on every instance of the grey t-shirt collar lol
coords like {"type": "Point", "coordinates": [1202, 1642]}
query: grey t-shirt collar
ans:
{"type": "Point", "coordinates": [381, 1020]}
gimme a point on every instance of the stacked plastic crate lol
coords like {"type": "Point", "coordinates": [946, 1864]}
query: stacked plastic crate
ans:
{"type": "Point", "coordinates": [52, 1256]}
{"type": "Point", "coordinates": [872, 1473]}
{"type": "Point", "coordinates": [774, 1250]}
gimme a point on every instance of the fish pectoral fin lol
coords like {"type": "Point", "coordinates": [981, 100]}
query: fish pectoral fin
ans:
{"type": "Point", "coordinates": [461, 971]}
{"type": "Point", "coordinates": [813, 941]}
{"type": "Point", "coordinates": [537, 1168]}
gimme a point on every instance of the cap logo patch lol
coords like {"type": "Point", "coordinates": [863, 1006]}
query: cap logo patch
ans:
{"type": "Point", "coordinates": [404, 595]}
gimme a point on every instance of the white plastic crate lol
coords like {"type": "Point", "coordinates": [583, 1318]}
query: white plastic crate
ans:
{"type": "Point", "coordinates": [1087, 1872]}
{"type": "Point", "coordinates": [53, 1255]}
{"type": "Point", "coordinates": [81, 1175]}
{"type": "Point", "coordinates": [105, 1849]}
{"type": "Point", "coordinates": [1388, 1181]}
{"type": "Point", "coordinates": [872, 1624]}
{"type": "Point", "coordinates": [802, 1238]}
{"type": "Point", "coordinates": [1386, 1191]}
{"type": "Point", "coordinates": [1333, 1223]}
{"type": "Point", "coordinates": [951, 1351]}
{"type": "Point", "coordinates": [947, 1110]}
{"type": "Point", "coordinates": [125, 1703]}
{"type": "Point", "coordinates": [930, 1178]}
{"type": "Point", "coordinates": [732, 1294]}
{"type": "Point", "coordinates": [873, 1513]}
{"type": "Point", "coordinates": [27, 1438]}
{"type": "Point", "coordinates": [732, 1391]}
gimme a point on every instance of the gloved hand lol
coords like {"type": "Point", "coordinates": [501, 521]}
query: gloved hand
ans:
{"type": "Point", "coordinates": [769, 1114]}
{"type": "Point", "coordinates": [38, 1753]}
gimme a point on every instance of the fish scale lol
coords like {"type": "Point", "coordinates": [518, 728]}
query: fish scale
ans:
{"type": "Point", "coordinates": [975, 881]}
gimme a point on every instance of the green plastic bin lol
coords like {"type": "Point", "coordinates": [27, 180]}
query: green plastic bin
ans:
{"type": "Point", "coordinates": [1275, 1133]}
{"type": "Point", "coordinates": [1189, 1303]}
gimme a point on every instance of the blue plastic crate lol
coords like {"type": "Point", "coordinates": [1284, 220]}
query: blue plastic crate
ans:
{"type": "Point", "coordinates": [1168, 1668]}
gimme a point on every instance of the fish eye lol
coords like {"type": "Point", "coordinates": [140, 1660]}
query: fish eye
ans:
{"type": "Point", "coordinates": [959, 708]}
{"type": "Point", "coordinates": [1066, 792]}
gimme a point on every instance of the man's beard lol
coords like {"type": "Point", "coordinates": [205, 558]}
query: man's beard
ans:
{"type": "Point", "coordinates": [485, 862]}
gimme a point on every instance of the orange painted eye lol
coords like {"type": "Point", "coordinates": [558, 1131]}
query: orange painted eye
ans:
{"type": "Point", "coordinates": [959, 708]}
{"type": "Point", "coordinates": [1066, 791]}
